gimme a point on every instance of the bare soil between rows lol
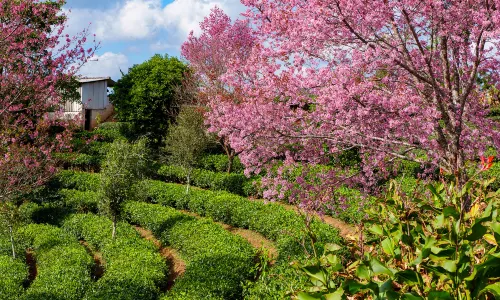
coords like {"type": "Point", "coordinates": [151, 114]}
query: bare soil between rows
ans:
{"type": "Point", "coordinates": [177, 266]}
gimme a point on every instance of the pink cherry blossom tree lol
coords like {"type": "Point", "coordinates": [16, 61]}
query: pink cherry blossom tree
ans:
{"type": "Point", "coordinates": [220, 44]}
{"type": "Point", "coordinates": [37, 64]}
{"type": "Point", "coordinates": [396, 79]}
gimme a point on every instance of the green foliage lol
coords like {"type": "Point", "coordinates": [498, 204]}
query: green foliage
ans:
{"type": "Point", "coordinates": [219, 163]}
{"type": "Point", "coordinates": [145, 95]}
{"type": "Point", "coordinates": [13, 273]}
{"type": "Point", "coordinates": [133, 270]}
{"type": "Point", "coordinates": [112, 131]}
{"type": "Point", "coordinates": [79, 161]}
{"type": "Point", "coordinates": [273, 221]}
{"type": "Point", "coordinates": [80, 201]}
{"type": "Point", "coordinates": [63, 265]}
{"type": "Point", "coordinates": [427, 246]}
{"type": "Point", "coordinates": [349, 205]}
{"type": "Point", "coordinates": [494, 174]}
{"type": "Point", "coordinates": [494, 113]}
{"type": "Point", "coordinates": [186, 140]}
{"type": "Point", "coordinates": [76, 180]}
{"type": "Point", "coordinates": [347, 158]}
{"type": "Point", "coordinates": [216, 181]}
{"type": "Point", "coordinates": [125, 164]}
{"type": "Point", "coordinates": [217, 261]}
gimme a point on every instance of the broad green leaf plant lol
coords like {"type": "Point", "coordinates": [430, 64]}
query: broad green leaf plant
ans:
{"type": "Point", "coordinates": [428, 245]}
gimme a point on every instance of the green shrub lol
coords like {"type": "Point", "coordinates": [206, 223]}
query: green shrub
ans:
{"type": "Point", "coordinates": [96, 148]}
{"type": "Point", "coordinates": [111, 131]}
{"type": "Point", "coordinates": [271, 220]}
{"type": "Point", "coordinates": [219, 163]}
{"type": "Point", "coordinates": [216, 181]}
{"type": "Point", "coordinates": [13, 273]}
{"type": "Point", "coordinates": [134, 269]}
{"type": "Point", "coordinates": [217, 261]}
{"type": "Point", "coordinates": [63, 265]}
{"type": "Point", "coordinates": [425, 245]}
{"type": "Point", "coordinates": [76, 180]}
{"type": "Point", "coordinates": [349, 205]}
{"type": "Point", "coordinates": [80, 201]}
{"type": "Point", "coordinates": [45, 213]}
{"type": "Point", "coordinates": [79, 161]}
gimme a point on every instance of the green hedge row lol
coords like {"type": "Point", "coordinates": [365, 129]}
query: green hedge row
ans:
{"type": "Point", "coordinates": [52, 207]}
{"type": "Point", "coordinates": [349, 205]}
{"type": "Point", "coordinates": [77, 180]}
{"type": "Point", "coordinates": [79, 161]}
{"type": "Point", "coordinates": [13, 274]}
{"type": "Point", "coordinates": [80, 201]}
{"type": "Point", "coordinates": [63, 265]}
{"type": "Point", "coordinates": [217, 261]}
{"type": "Point", "coordinates": [216, 181]}
{"type": "Point", "coordinates": [133, 270]}
{"type": "Point", "coordinates": [271, 220]}
{"type": "Point", "coordinates": [219, 163]}
{"type": "Point", "coordinates": [105, 132]}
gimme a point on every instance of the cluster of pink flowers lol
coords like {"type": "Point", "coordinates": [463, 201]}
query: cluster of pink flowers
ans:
{"type": "Point", "coordinates": [395, 79]}
{"type": "Point", "coordinates": [36, 61]}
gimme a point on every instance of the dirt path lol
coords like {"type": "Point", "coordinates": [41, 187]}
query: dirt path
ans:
{"type": "Point", "coordinates": [255, 239]}
{"type": "Point", "coordinates": [177, 266]}
{"type": "Point", "coordinates": [99, 263]}
{"type": "Point", "coordinates": [32, 270]}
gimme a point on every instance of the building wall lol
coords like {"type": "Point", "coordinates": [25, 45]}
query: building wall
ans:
{"type": "Point", "coordinates": [73, 107]}
{"type": "Point", "coordinates": [101, 114]}
{"type": "Point", "coordinates": [94, 98]}
{"type": "Point", "coordinates": [94, 95]}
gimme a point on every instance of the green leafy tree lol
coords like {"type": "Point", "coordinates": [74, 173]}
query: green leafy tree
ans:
{"type": "Point", "coordinates": [145, 96]}
{"type": "Point", "coordinates": [187, 139]}
{"type": "Point", "coordinates": [124, 166]}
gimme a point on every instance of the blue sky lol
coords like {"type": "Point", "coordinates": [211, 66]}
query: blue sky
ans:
{"type": "Point", "coordinates": [131, 31]}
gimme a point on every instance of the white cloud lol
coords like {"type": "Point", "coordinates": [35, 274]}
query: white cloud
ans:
{"type": "Point", "coordinates": [161, 46]}
{"type": "Point", "coordinates": [107, 64]}
{"type": "Point", "coordinates": [147, 19]}
{"type": "Point", "coordinates": [185, 15]}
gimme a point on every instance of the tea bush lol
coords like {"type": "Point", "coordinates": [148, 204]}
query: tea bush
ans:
{"type": "Point", "coordinates": [285, 228]}
{"type": "Point", "coordinates": [205, 179]}
{"type": "Point", "coordinates": [63, 265]}
{"type": "Point", "coordinates": [133, 270]}
{"type": "Point", "coordinates": [13, 273]}
{"type": "Point", "coordinates": [80, 201]}
{"type": "Point", "coordinates": [217, 261]}
{"type": "Point", "coordinates": [219, 163]}
{"type": "Point", "coordinates": [82, 181]}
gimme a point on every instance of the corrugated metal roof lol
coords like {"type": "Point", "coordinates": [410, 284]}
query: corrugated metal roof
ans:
{"type": "Point", "coordinates": [110, 81]}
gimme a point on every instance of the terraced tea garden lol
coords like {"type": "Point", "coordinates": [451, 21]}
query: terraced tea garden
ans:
{"type": "Point", "coordinates": [207, 244]}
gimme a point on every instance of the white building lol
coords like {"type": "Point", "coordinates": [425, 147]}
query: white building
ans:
{"type": "Point", "coordinates": [94, 101]}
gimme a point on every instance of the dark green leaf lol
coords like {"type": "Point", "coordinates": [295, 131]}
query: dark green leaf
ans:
{"type": "Point", "coordinates": [379, 268]}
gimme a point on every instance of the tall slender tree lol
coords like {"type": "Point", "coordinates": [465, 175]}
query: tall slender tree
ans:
{"type": "Point", "coordinates": [220, 43]}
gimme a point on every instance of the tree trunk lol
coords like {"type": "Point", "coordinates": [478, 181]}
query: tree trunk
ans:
{"type": "Point", "coordinates": [188, 182]}
{"type": "Point", "coordinates": [113, 233]}
{"type": "Point", "coordinates": [12, 241]}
